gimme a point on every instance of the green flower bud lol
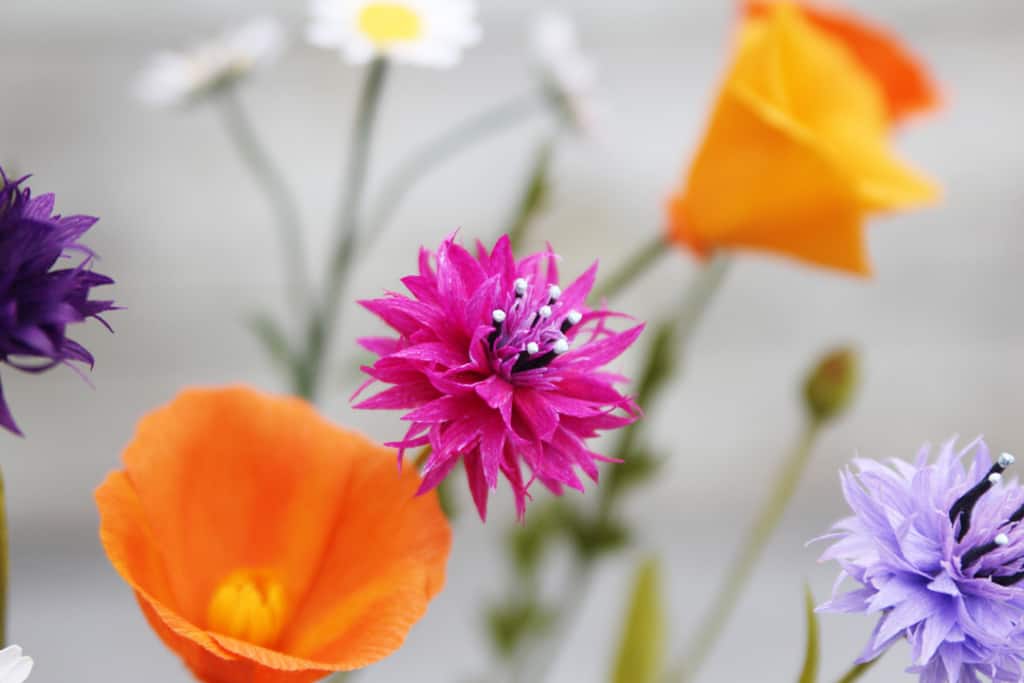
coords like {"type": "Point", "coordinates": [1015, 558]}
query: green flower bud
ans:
{"type": "Point", "coordinates": [832, 384]}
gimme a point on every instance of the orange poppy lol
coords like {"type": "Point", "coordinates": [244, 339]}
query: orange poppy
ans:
{"type": "Point", "coordinates": [904, 80]}
{"type": "Point", "coordinates": [796, 155]}
{"type": "Point", "coordinates": [265, 545]}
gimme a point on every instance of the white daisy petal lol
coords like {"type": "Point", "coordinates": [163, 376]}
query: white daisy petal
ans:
{"type": "Point", "coordinates": [425, 32]}
{"type": "Point", "coordinates": [173, 78]}
{"type": "Point", "coordinates": [568, 71]}
{"type": "Point", "coordinates": [14, 668]}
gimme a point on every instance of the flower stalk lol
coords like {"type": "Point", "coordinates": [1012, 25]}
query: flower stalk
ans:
{"type": "Point", "coordinates": [535, 193]}
{"type": "Point", "coordinates": [637, 264]}
{"type": "Point", "coordinates": [856, 671]}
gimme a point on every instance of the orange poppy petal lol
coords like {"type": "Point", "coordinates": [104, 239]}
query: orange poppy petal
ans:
{"type": "Point", "coordinates": [905, 81]}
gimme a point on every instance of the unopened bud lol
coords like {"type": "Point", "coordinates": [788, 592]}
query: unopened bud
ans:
{"type": "Point", "coordinates": [832, 384]}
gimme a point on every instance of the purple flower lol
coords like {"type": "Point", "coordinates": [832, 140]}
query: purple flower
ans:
{"type": "Point", "coordinates": [938, 551]}
{"type": "Point", "coordinates": [37, 299]}
{"type": "Point", "coordinates": [500, 367]}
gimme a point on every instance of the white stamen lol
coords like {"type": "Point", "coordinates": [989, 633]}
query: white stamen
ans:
{"type": "Point", "coordinates": [545, 311]}
{"type": "Point", "coordinates": [498, 316]}
{"type": "Point", "coordinates": [554, 291]}
{"type": "Point", "coordinates": [561, 346]}
{"type": "Point", "coordinates": [1006, 459]}
{"type": "Point", "coordinates": [574, 317]}
{"type": "Point", "coordinates": [520, 286]}
{"type": "Point", "coordinates": [995, 478]}
{"type": "Point", "coordinates": [532, 348]}
{"type": "Point", "coordinates": [1001, 540]}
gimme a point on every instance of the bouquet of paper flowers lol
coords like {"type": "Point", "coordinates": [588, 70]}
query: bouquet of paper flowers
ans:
{"type": "Point", "coordinates": [265, 543]}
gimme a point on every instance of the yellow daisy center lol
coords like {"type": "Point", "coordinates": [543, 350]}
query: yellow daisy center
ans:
{"type": "Point", "coordinates": [386, 23]}
{"type": "Point", "coordinates": [248, 605]}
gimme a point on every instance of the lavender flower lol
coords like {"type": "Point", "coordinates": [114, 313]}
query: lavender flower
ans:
{"type": "Point", "coordinates": [500, 367]}
{"type": "Point", "coordinates": [37, 300]}
{"type": "Point", "coordinates": [938, 551]}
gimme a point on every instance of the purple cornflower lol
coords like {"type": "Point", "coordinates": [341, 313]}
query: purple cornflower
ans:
{"type": "Point", "coordinates": [500, 367]}
{"type": "Point", "coordinates": [38, 300]}
{"type": "Point", "coordinates": [938, 551]}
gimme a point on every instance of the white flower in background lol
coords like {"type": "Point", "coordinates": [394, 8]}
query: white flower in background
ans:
{"type": "Point", "coordinates": [179, 77]}
{"type": "Point", "coordinates": [569, 74]}
{"type": "Point", "coordinates": [14, 668]}
{"type": "Point", "coordinates": [425, 32]}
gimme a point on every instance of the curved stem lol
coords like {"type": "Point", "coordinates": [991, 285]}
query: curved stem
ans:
{"type": "Point", "coordinates": [767, 519]}
{"type": "Point", "coordinates": [636, 265]}
{"type": "Point", "coordinates": [535, 193]}
{"type": "Point", "coordinates": [282, 203]}
{"type": "Point", "coordinates": [856, 671]}
{"type": "Point", "coordinates": [327, 317]}
{"type": "Point", "coordinates": [460, 137]}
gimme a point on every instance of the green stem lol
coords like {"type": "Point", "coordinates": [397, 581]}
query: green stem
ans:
{"type": "Point", "coordinates": [767, 519]}
{"type": "Point", "coordinates": [856, 671]}
{"type": "Point", "coordinates": [273, 186]}
{"type": "Point", "coordinates": [637, 264]}
{"type": "Point", "coordinates": [460, 137]}
{"type": "Point", "coordinates": [535, 194]}
{"type": "Point", "coordinates": [324, 322]}
{"type": "Point", "coordinates": [4, 563]}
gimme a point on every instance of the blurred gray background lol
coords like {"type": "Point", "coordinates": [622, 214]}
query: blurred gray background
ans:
{"type": "Point", "coordinates": [188, 240]}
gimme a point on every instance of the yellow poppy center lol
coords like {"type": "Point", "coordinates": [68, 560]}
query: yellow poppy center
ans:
{"type": "Point", "coordinates": [248, 605]}
{"type": "Point", "coordinates": [386, 23]}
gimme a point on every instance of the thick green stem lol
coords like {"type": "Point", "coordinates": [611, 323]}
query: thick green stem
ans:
{"type": "Point", "coordinates": [460, 137]}
{"type": "Point", "coordinates": [636, 265]}
{"type": "Point", "coordinates": [856, 671]}
{"type": "Point", "coordinates": [274, 188]}
{"type": "Point", "coordinates": [4, 563]}
{"type": "Point", "coordinates": [740, 570]}
{"type": "Point", "coordinates": [535, 194]}
{"type": "Point", "coordinates": [327, 317]}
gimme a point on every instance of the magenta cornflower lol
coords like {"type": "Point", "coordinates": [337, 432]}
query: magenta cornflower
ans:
{"type": "Point", "coordinates": [500, 368]}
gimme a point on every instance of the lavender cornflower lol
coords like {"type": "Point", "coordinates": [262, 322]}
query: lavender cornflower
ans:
{"type": "Point", "coordinates": [938, 551]}
{"type": "Point", "coordinates": [38, 300]}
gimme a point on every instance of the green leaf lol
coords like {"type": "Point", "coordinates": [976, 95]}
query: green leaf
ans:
{"type": "Point", "coordinates": [274, 340]}
{"type": "Point", "coordinates": [812, 656]}
{"type": "Point", "coordinates": [642, 650]}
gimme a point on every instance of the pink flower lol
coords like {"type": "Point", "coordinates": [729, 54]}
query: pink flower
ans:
{"type": "Point", "coordinates": [499, 367]}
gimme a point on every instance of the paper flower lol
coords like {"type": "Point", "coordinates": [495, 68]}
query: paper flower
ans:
{"type": "Point", "coordinates": [176, 78]}
{"type": "Point", "coordinates": [14, 667]}
{"type": "Point", "coordinates": [499, 367]}
{"type": "Point", "coordinates": [424, 32]}
{"type": "Point", "coordinates": [796, 156]}
{"type": "Point", "coordinates": [265, 544]}
{"type": "Point", "coordinates": [905, 82]}
{"type": "Point", "coordinates": [937, 549]}
{"type": "Point", "coordinates": [569, 74]}
{"type": "Point", "coordinates": [38, 297]}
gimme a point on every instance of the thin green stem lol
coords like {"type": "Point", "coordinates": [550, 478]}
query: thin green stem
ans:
{"type": "Point", "coordinates": [460, 137]}
{"type": "Point", "coordinates": [740, 570]}
{"type": "Point", "coordinates": [4, 563]}
{"type": "Point", "coordinates": [535, 194]}
{"type": "Point", "coordinates": [327, 317]}
{"type": "Point", "coordinates": [636, 265]}
{"type": "Point", "coordinates": [277, 193]}
{"type": "Point", "coordinates": [856, 671]}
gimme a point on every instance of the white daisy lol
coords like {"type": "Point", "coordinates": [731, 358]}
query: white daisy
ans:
{"type": "Point", "coordinates": [569, 73]}
{"type": "Point", "coordinates": [14, 668]}
{"type": "Point", "coordinates": [426, 32]}
{"type": "Point", "coordinates": [179, 77]}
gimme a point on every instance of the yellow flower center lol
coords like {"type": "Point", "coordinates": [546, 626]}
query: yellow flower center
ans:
{"type": "Point", "coordinates": [248, 605]}
{"type": "Point", "coordinates": [386, 23]}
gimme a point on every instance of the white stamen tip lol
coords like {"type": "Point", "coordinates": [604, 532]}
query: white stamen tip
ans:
{"type": "Point", "coordinates": [574, 317]}
{"type": "Point", "coordinates": [1006, 459]}
{"type": "Point", "coordinates": [560, 347]}
{"type": "Point", "coordinates": [554, 291]}
{"type": "Point", "coordinates": [532, 348]}
{"type": "Point", "coordinates": [1001, 540]}
{"type": "Point", "coordinates": [995, 478]}
{"type": "Point", "coordinates": [545, 311]}
{"type": "Point", "coordinates": [498, 315]}
{"type": "Point", "coordinates": [520, 286]}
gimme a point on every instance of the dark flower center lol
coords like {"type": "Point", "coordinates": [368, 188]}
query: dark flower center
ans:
{"type": "Point", "coordinates": [527, 336]}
